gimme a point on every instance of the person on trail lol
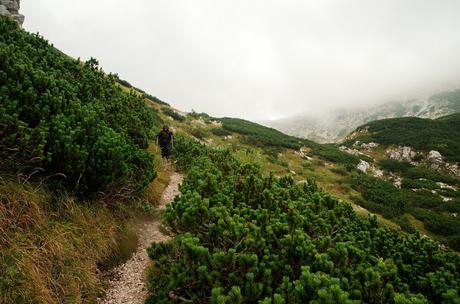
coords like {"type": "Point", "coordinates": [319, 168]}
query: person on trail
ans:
{"type": "Point", "coordinates": [165, 141]}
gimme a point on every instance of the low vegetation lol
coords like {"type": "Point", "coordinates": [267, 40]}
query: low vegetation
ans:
{"type": "Point", "coordinates": [73, 169]}
{"type": "Point", "coordinates": [440, 134]}
{"type": "Point", "coordinates": [173, 114]}
{"type": "Point", "coordinates": [416, 198]}
{"type": "Point", "coordinates": [248, 238]}
{"type": "Point", "coordinates": [69, 122]}
{"type": "Point", "coordinates": [258, 135]}
{"type": "Point", "coordinates": [50, 246]}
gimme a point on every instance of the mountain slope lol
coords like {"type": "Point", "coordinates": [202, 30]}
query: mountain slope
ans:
{"type": "Point", "coordinates": [442, 134]}
{"type": "Point", "coordinates": [413, 177]}
{"type": "Point", "coordinates": [333, 127]}
{"type": "Point", "coordinates": [246, 224]}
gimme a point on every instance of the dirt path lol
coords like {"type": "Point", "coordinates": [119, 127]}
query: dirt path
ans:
{"type": "Point", "coordinates": [127, 285]}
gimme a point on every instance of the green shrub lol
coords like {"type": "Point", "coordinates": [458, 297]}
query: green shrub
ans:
{"type": "Point", "coordinates": [395, 166]}
{"type": "Point", "coordinates": [379, 195]}
{"type": "Point", "coordinates": [405, 224]}
{"type": "Point", "coordinates": [331, 153]}
{"type": "Point", "coordinates": [247, 238]}
{"type": "Point", "coordinates": [68, 120]}
{"type": "Point", "coordinates": [220, 132]}
{"type": "Point", "coordinates": [124, 83]}
{"type": "Point", "coordinates": [259, 135]}
{"type": "Point", "coordinates": [437, 223]}
{"type": "Point", "coordinates": [173, 114]}
{"type": "Point", "coordinates": [199, 132]}
{"type": "Point", "coordinates": [421, 172]}
{"type": "Point", "coordinates": [418, 184]}
{"type": "Point", "coordinates": [154, 99]}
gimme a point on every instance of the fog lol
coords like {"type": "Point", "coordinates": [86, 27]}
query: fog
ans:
{"type": "Point", "coordinates": [262, 59]}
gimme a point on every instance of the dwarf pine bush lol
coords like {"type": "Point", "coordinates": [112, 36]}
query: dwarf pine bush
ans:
{"type": "Point", "coordinates": [67, 120]}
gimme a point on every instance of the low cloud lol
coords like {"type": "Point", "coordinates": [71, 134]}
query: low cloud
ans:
{"type": "Point", "coordinates": [263, 59]}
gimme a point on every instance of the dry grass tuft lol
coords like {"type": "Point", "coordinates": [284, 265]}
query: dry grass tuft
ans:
{"type": "Point", "coordinates": [164, 170]}
{"type": "Point", "coordinates": [50, 247]}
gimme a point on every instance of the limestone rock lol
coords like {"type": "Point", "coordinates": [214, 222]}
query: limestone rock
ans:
{"type": "Point", "coordinates": [369, 146]}
{"type": "Point", "coordinates": [453, 169]}
{"type": "Point", "coordinates": [401, 153]}
{"type": "Point", "coordinates": [11, 8]}
{"type": "Point", "coordinates": [378, 173]}
{"type": "Point", "coordinates": [434, 160]}
{"type": "Point", "coordinates": [397, 182]}
{"type": "Point", "coordinates": [363, 166]}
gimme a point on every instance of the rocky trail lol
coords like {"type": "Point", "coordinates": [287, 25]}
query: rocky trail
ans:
{"type": "Point", "coordinates": [127, 285]}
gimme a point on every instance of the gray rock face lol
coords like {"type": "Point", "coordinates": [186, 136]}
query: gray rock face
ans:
{"type": "Point", "coordinates": [363, 166]}
{"type": "Point", "coordinates": [401, 154]}
{"type": "Point", "coordinates": [434, 160]}
{"type": "Point", "coordinates": [367, 168]}
{"type": "Point", "coordinates": [11, 8]}
{"type": "Point", "coordinates": [453, 169]}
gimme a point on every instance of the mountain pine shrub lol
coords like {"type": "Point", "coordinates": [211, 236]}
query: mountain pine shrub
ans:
{"type": "Point", "coordinates": [247, 238]}
{"type": "Point", "coordinates": [69, 121]}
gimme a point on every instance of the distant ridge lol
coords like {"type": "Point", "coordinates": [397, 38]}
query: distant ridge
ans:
{"type": "Point", "coordinates": [335, 126]}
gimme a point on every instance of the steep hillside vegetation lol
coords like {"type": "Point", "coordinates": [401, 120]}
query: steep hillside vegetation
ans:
{"type": "Point", "coordinates": [442, 134]}
{"type": "Point", "coordinates": [245, 237]}
{"type": "Point", "coordinates": [73, 168]}
{"type": "Point", "coordinates": [413, 175]}
{"type": "Point", "coordinates": [67, 121]}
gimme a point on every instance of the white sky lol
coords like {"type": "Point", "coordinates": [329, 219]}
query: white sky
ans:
{"type": "Point", "coordinates": [262, 59]}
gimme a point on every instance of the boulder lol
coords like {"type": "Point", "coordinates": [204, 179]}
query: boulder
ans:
{"type": "Point", "coordinates": [397, 182]}
{"type": "Point", "coordinates": [401, 153]}
{"type": "Point", "coordinates": [369, 146]}
{"type": "Point", "coordinates": [363, 166]}
{"type": "Point", "coordinates": [434, 160]}
{"type": "Point", "coordinates": [453, 169]}
{"type": "Point", "coordinates": [11, 8]}
{"type": "Point", "coordinates": [3, 10]}
{"type": "Point", "coordinates": [377, 173]}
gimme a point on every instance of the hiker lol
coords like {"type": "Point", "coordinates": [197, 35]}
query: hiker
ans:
{"type": "Point", "coordinates": [165, 140]}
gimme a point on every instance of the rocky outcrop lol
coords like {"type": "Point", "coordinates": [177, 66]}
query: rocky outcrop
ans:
{"type": "Point", "coordinates": [358, 146]}
{"type": "Point", "coordinates": [11, 8]}
{"type": "Point", "coordinates": [369, 146]}
{"type": "Point", "coordinates": [434, 160]}
{"type": "Point", "coordinates": [400, 153]}
{"type": "Point", "coordinates": [365, 167]}
{"type": "Point", "coordinates": [303, 153]}
{"type": "Point", "coordinates": [453, 169]}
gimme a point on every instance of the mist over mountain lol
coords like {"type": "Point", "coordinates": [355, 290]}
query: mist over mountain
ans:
{"type": "Point", "coordinates": [334, 126]}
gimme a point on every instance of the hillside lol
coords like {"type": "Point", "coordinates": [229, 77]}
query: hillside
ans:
{"type": "Point", "coordinates": [339, 171]}
{"type": "Point", "coordinates": [413, 176]}
{"type": "Point", "coordinates": [336, 125]}
{"type": "Point", "coordinates": [442, 134]}
{"type": "Point", "coordinates": [263, 217]}
{"type": "Point", "coordinates": [74, 171]}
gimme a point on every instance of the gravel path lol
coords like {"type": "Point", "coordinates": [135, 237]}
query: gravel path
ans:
{"type": "Point", "coordinates": [127, 285]}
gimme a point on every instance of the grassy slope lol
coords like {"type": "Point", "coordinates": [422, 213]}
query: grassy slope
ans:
{"type": "Point", "coordinates": [426, 213]}
{"type": "Point", "coordinates": [51, 246]}
{"type": "Point", "coordinates": [268, 148]}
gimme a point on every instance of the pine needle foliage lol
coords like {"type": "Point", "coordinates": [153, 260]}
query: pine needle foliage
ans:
{"type": "Point", "coordinates": [248, 238]}
{"type": "Point", "coordinates": [68, 121]}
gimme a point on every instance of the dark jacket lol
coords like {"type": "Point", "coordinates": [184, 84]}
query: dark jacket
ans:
{"type": "Point", "coordinates": [164, 138]}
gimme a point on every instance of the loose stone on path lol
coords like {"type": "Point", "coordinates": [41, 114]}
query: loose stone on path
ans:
{"type": "Point", "coordinates": [127, 285]}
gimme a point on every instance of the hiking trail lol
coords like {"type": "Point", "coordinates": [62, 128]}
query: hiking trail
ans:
{"type": "Point", "coordinates": [127, 285]}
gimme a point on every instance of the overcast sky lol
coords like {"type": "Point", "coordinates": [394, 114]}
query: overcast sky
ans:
{"type": "Point", "coordinates": [262, 59]}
